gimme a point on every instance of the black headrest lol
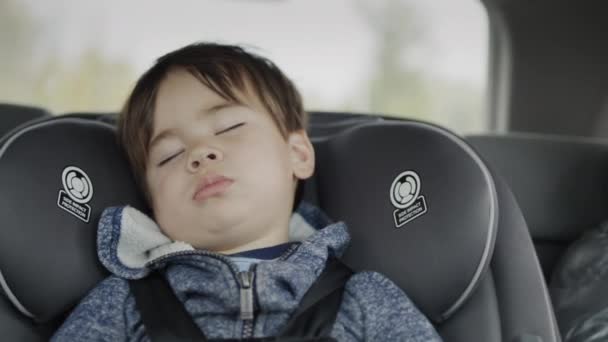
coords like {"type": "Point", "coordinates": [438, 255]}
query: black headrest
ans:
{"type": "Point", "coordinates": [107, 117]}
{"type": "Point", "coordinates": [561, 183]}
{"type": "Point", "coordinates": [328, 129]}
{"type": "Point", "coordinates": [56, 176]}
{"type": "Point", "coordinates": [420, 204]}
{"type": "Point", "coordinates": [12, 115]}
{"type": "Point", "coordinates": [323, 119]}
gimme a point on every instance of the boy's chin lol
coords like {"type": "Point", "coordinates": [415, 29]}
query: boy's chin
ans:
{"type": "Point", "coordinates": [221, 247]}
{"type": "Point", "coordinates": [219, 238]}
{"type": "Point", "coordinates": [234, 242]}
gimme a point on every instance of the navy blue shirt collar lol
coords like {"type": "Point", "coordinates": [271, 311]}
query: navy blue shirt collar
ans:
{"type": "Point", "coordinates": [266, 253]}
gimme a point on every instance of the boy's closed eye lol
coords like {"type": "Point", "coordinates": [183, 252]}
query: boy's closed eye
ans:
{"type": "Point", "coordinates": [172, 156]}
{"type": "Point", "coordinates": [168, 159]}
{"type": "Point", "coordinates": [229, 128]}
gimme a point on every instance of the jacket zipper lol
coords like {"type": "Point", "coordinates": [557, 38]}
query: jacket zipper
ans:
{"type": "Point", "coordinates": [247, 301]}
{"type": "Point", "coordinates": [244, 280]}
{"type": "Point", "coordinates": [292, 249]}
{"type": "Point", "coordinates": [248, 297]}
{"type": "Point", "coordinates": [247, 294]}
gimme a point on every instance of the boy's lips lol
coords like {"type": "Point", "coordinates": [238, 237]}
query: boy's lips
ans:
{"type": "Point", "coordinates": [211, 185]}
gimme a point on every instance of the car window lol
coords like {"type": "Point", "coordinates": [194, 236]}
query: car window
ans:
{"type": "Point", "coordinates": [409, 58]}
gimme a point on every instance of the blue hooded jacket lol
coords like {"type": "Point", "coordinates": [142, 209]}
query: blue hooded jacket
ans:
{"type": "Point", "coordinates": [130, 245]}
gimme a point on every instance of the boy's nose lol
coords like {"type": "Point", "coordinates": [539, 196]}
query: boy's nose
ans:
{"type": "Point", "coordinates": [201, 157]}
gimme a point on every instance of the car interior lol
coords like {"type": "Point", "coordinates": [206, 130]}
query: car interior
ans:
{"type": "Point", "coordinates": [499, 208]}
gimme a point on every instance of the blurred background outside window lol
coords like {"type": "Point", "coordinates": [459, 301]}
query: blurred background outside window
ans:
{"type": "Point", "coordinates": [408, 58]}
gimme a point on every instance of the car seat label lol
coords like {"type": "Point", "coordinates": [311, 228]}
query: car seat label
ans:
{"type": "Point", "coordinates": [405, 196]}
{"type": "Point", "coordinates": [77, 192]}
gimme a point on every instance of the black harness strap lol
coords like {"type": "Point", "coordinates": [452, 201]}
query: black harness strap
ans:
{"type": "Point", "coordinates": [318, 309]}
{"type": "Point", "coordinates": [166, 319]}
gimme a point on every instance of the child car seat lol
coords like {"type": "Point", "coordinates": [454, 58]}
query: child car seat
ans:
{"type": "Point", "coordinates": [421, 206]}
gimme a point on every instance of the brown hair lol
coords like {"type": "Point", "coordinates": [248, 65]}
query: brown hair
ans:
{"type": "Point", "coordinates": [222, 68]}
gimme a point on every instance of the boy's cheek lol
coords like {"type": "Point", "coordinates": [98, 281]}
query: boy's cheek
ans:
{"type": "Point", "coordinates": [164, 184]}
{"type": "Point", "coordinates": [157, 184]}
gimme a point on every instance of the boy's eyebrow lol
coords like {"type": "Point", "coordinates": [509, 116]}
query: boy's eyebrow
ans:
{"type": "Point", "coordinates": [162, 135]}
{"type": "Point", "coordinates": [216, 108]}
{"type": "Point", "coordinates": [209, 111]}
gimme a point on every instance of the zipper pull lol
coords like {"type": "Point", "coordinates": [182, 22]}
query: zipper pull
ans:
{"type": "Point", "coordinates": [246, 282]}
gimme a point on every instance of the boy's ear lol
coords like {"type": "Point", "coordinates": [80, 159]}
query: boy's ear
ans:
{"type": "Point", "coordinates": [302, 154]}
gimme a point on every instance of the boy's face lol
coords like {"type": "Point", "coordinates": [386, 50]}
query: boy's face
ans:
{"type": "Point", "coordinates": [220, 175]}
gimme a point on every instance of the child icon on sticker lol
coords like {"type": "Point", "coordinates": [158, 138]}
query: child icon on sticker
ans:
{"type": "Point", "coordinates": [77, 185]}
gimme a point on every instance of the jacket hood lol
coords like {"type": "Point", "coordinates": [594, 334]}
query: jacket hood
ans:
{"type": "Point", "coordinates": [129, 243]}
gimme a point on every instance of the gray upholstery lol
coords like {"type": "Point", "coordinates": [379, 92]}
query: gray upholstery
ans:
{"type": "Point", "coordinates": [326, 124]}
{"type": "Point", "coordinates": [107, 117]}
{"type": "Point", "coordinates": [509, 301]}
{"type": "Point", "coordinates": [47, 254]}
{"type": "Point", "coordinates": [455, 237]}
{"type": "Point", "coordinates": [468, 262]}
{"type": "Point", "coordinates": [12, 115]}
{"type": "Point", "coordinates": [560, 183]}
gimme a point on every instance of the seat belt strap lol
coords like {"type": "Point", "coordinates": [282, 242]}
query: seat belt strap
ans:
{"type": "Point", "coordinates": [164, 316]}
{"type": "Point", "coordinates": [166, 319]}
{"type": "Point", "coordinates": [318, 309]}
